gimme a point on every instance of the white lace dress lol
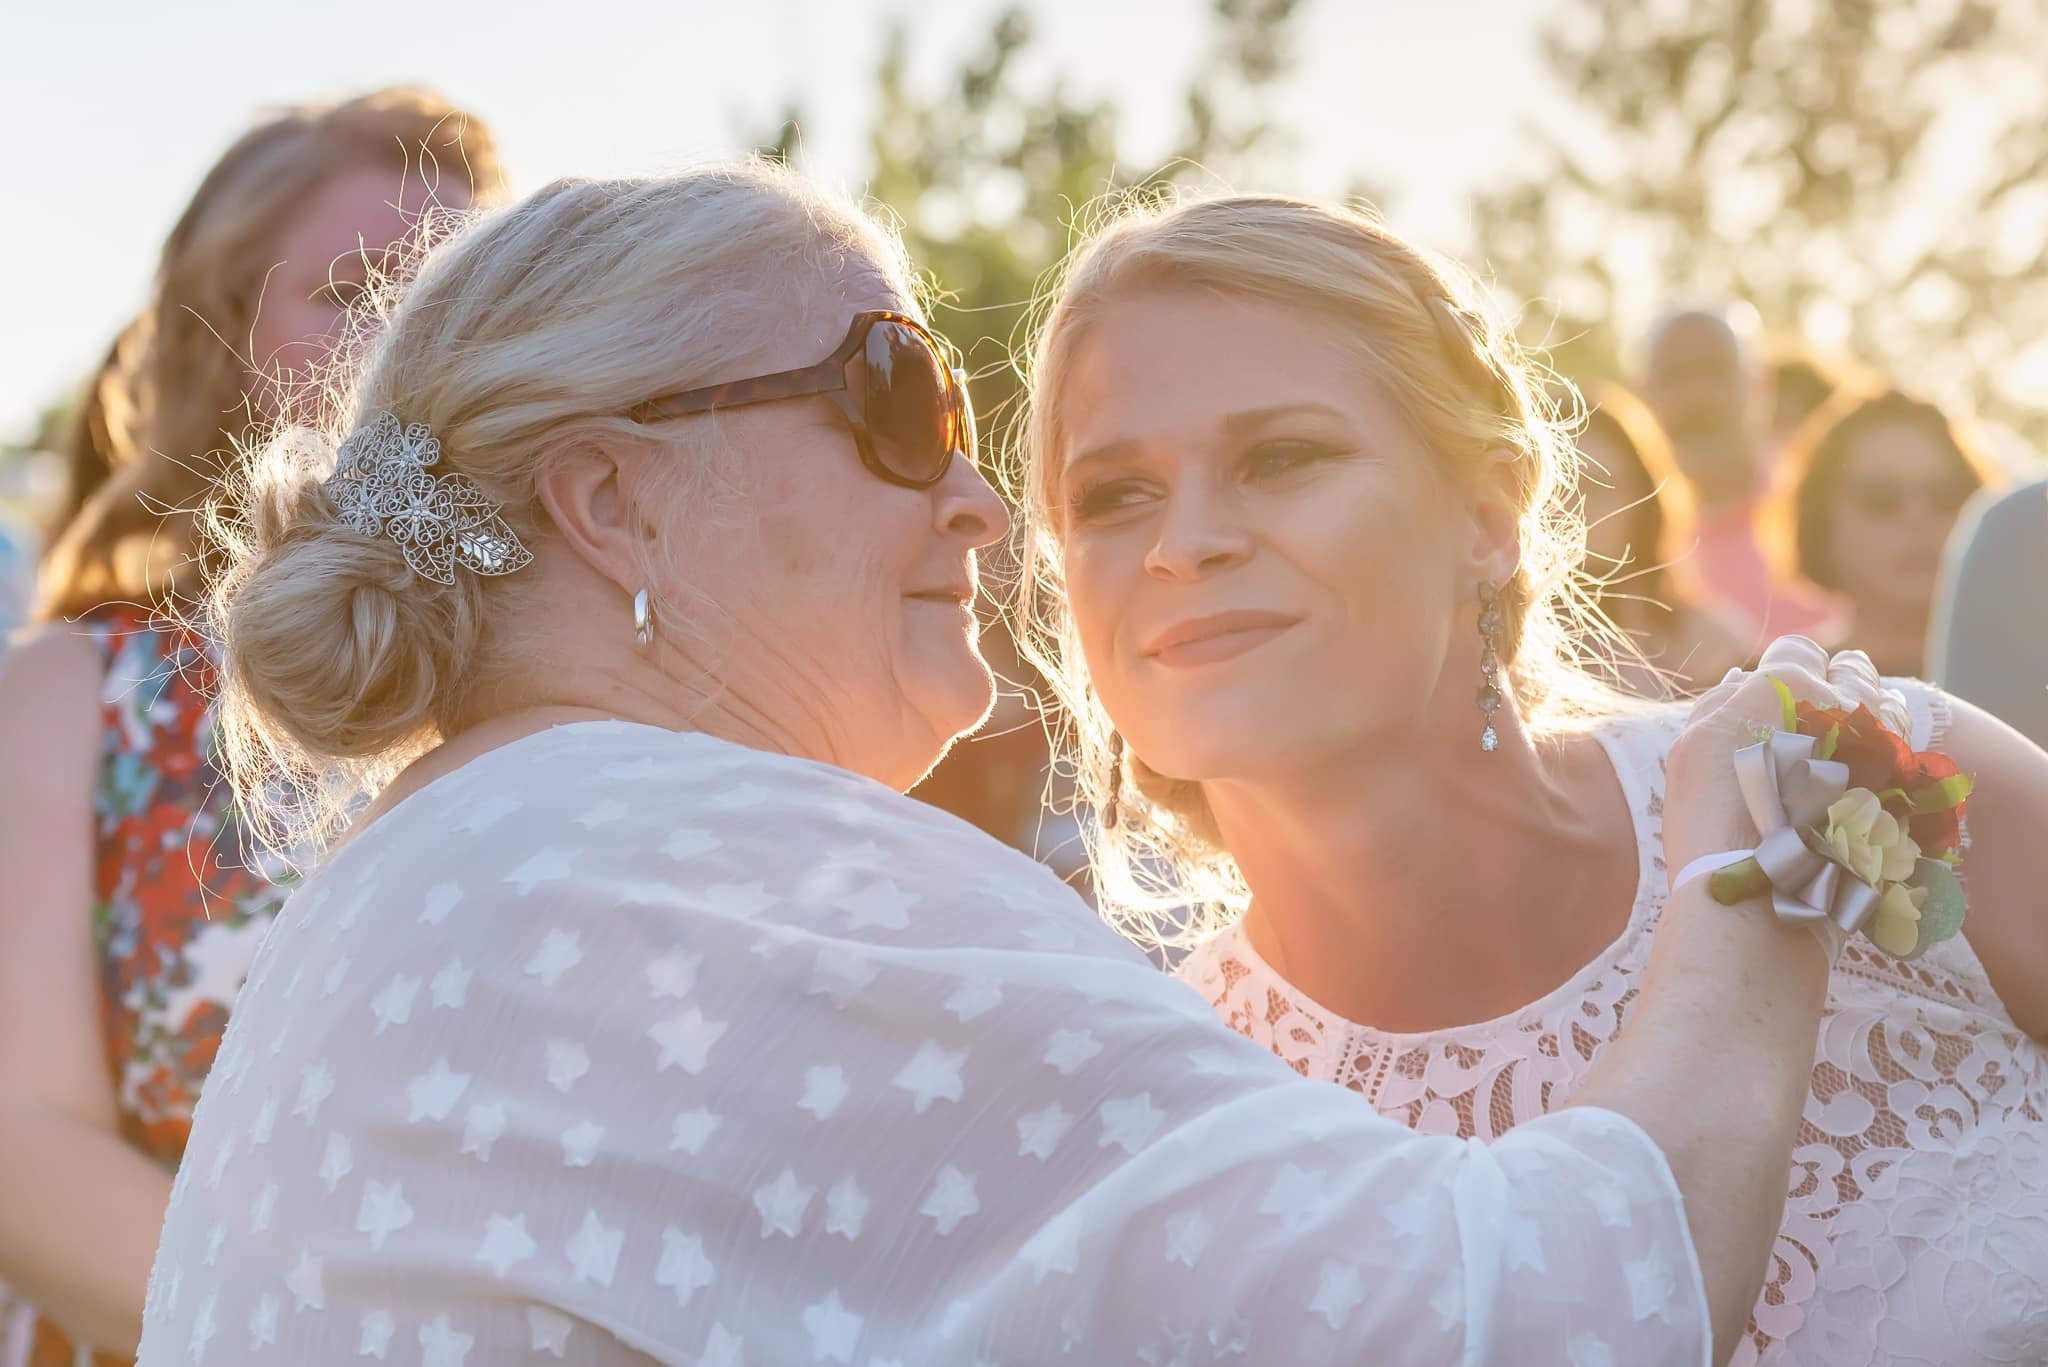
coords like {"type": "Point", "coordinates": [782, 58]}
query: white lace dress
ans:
{"type": "Point", "coordinates": [618, 1045]}
{"type": "Point", "coordinates": [1916, 1221]}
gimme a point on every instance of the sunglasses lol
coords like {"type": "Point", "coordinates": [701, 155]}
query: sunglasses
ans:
{"type": "Point", "coordinates": [892, 379]}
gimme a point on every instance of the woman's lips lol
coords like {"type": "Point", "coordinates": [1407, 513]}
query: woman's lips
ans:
{"type": "Point", "coordinates": [1216, 637]}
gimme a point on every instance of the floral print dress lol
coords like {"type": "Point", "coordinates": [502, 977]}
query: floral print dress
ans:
{"type": "Point", "coordinates": [180, 893]}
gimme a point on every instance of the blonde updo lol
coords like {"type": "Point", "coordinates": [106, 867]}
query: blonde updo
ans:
{"type": "Point", "coordinates": [1459, 377]}
{"type": "Point", "coordinates": [531, 332]}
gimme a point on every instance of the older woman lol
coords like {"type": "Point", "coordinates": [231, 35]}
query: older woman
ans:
{"type": "Point", "coordinates": [642, 1018]}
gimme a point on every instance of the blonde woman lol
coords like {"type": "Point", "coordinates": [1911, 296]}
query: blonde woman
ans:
{"type": "Point", "coordinates": [642, 1017]}
{"type": "Point", "coordinates": [1301, 564]}
{"type": "Point", "coordinates": [130, 899]}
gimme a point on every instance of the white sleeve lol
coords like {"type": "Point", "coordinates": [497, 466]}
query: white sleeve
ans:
{"type": "Point", "coordinates": [826, 1078]}
{"type": "Point", "coordinates": [1286, 1220]}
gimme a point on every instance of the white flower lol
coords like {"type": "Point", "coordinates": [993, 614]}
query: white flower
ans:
{"type": "Point", "coordinates": [1868, 840]}
{"type": "Point", "coordinates": [1896, 925]}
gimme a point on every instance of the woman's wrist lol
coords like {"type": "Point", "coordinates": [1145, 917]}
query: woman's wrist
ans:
{"type": "Point", "coordinates": [1746, 938]}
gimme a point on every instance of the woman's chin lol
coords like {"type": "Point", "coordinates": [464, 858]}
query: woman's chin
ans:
{"type": "Point", "coordinates": [956, 693]}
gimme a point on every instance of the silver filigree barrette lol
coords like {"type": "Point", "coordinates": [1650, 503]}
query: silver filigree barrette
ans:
{"type": "Point", "coordinates": [383, 487]}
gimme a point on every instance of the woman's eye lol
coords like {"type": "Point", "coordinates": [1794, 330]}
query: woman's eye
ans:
{"type": "Point", "coordinates": [1105, 499]}
{"type": "Point", "coordinates": [1281, 457]}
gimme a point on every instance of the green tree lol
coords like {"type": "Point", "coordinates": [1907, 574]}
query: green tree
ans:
{"type": "Point", "coordinates": [1873, 169]}
{"type": "Point", "coordinates": [988, 174]}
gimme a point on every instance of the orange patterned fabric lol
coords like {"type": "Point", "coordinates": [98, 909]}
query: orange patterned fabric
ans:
{"type": "Point", "coordinates": [180, 894]}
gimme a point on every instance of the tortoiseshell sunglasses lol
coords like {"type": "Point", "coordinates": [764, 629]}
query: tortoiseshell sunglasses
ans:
{"type": "Point", "coordinates": [908, 408]}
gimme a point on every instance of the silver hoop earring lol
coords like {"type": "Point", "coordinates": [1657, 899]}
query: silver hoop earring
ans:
{"type": "Point", "coordinates": [643, 619]}
{"type": "Point", "coordinates": [1489, 661]}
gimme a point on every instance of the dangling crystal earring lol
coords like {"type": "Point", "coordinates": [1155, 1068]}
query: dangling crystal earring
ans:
{"type": "Point", "coordinates": [1489, 661]}
{"type": "Point", "coordinates": [1112, 808]}
{"type": "Point", "coordinates": [643, 619]}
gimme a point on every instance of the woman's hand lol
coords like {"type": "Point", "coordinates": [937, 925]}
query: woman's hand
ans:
{"type": "Point", "coordinates": [1703, 808]}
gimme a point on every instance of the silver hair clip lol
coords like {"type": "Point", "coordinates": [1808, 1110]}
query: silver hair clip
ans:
{"type": "Point", "coordinates": [382, 486]}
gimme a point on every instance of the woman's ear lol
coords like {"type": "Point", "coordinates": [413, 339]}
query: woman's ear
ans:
{"type": "Point", "coordinates": [1495, 504]}
{"type": "Point", "coordinates": [583, 488]}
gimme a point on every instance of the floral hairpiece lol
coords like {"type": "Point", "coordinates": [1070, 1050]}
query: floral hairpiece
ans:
{"type": "Point", "coordinates": [1860, 830]}
{"type": "Point", "coordinates": [382, 486]}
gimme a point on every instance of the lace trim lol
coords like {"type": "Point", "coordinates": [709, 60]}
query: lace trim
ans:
{"type": "Point", "coordinates": [1920, 1169]}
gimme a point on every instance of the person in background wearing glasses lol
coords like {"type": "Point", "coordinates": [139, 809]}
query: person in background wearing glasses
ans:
{"type": "Point", "coordinates": [641, 1017]}
{"type": "Point", "coordinates": [1868, 497]}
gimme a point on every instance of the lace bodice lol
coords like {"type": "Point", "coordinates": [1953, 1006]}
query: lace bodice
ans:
{"type": "Point", "coordinates": [1916, 1217]}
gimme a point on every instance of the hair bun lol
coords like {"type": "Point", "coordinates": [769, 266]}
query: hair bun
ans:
{"type": "Point", "coordinates": [334, 649]}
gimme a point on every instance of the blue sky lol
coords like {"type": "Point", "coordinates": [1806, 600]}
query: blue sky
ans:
{"type": "Point", "coordinates": [114, 110]}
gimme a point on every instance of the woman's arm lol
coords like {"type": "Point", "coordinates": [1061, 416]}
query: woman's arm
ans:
{"type": "Point", "coordinates": [1717, 1057]}
{"type": "Point", "coordinates": [2006, 867]}
{"type": "Point", "coordinates": [1714, 1065]}
{"type": "Point", "coordinates": [79, 1223]}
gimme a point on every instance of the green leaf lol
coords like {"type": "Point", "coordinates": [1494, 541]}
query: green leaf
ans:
{"type": "Point", "coordinates": [1888, 794]}
{"type": "Point", "coordinates": [1940, 797]}
{"type": "Point", "coordinates": [1830, 741]}
{"type": "Point", "coordinates": [1787, 704]}
{"type": "Point", "coordinates": [1942, 917]}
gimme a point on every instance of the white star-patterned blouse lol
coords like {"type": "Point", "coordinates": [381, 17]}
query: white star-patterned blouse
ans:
{"type": "Point", "coordinates": [621, 1045]}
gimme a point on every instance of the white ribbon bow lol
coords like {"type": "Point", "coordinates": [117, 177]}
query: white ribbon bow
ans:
{"type": "Point", "coordinates": [1788, 792]}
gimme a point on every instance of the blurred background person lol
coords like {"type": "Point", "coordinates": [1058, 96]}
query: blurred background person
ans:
{"type": "Point", "coordinates": [1700, 382]}
{"type": "Point", "coordinates": [1800, 380]}
{"type": "Point", "coordinates": [1868, 497]}
{"type": "Point", "coordinates": [1639, 519]}
{"type": "Point", "coordinates": [17, 564]}
{"type": "Point", "coordinates": [1988, 641]}
{"type": "Point", "coordinates": [102, 424]}
{"type": "Point", "coordinates": [131, 899]}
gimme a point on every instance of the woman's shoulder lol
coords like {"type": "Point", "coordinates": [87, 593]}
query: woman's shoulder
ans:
{"type": "Point", "coordinates": [49, 708]}
{"type": "Point", "coordinates": [1217, 965]}
{"type": "Point", "coordinates": [1705, 643]}
{"type": "Point", "coordinates": [55, 659]}
{"type": "Point", "coordinates": [119, 653]}
{"type": "Point", "coordinates": [683, 821]}
{"type": "Point", "coordinates": [1637, 736]}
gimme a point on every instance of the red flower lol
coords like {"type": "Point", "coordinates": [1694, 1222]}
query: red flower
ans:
{"type": "Point", "coordinates": [1937, 833]}
{"type": "Point", "coordinates": [1877, 758]}
{"type": "Point", "coordinates": [1881, 761]}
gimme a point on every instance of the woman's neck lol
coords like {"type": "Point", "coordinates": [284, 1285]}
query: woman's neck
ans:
{"type": "Point", "coordinates": [1429, 883]}
{"type": "Point", "coordinates": [507, 710]}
